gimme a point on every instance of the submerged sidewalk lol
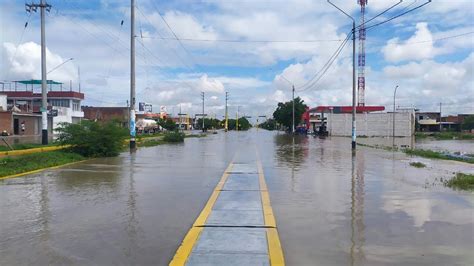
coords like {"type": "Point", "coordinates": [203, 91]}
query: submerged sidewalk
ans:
{"type": "Point", "coordinates": [237, 226]}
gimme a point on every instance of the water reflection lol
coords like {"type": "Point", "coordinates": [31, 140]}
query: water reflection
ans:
{"type": "Point", "coordinates": [357, 209]}
{"type": "Point", "coordinates": [99, 177]}
{"type": "Point", "coordinates": [132, 222]}
{"type": "Point", "coordinates": [291, 151]}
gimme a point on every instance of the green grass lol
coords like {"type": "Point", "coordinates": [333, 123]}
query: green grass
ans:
{"type": "Point", "coordinates": [25, 146]}
{"type": "Point", "coordinates": [151, 143]}
{"type": "Point", "coordinates": [418, 164]}
{"type": "Point", "coordinates": [461, 181]}
{"type": "Point", "coordinates": [196, 136]}
{"type": "Point", "coordinates": [173, 137]}
{"type": "Point", "coordinates": [35, 161]}
{"type": "Point", "coordinates": [445, 135]}
{"type": "Point", "coordinates": [435, 155]}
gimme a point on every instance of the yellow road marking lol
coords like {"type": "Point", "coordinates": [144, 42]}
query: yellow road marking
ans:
{"type": "Point", "coordinates": [33, 150]}
{"type": "Point", "coordinates": [39, 170]}
{"type": "Point", "coordinates": [186, 247]}
{"type": "Point", "coordinates": [275, 252]}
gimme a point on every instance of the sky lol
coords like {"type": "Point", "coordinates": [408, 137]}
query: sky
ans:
{"type": "Point", "coordinates": [253, 49]}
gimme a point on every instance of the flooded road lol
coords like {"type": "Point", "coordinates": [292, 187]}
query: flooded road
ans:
{"type": "Point", "coordinates": [331, 208]}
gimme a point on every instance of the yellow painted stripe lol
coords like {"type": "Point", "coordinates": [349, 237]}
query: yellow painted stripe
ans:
{"type": "Point", "coordinates": [186, 247]}
{"type": "Point", "coordinates": [192, 236]}
{"type": "Point", "coordinates": [34, 150]}
{"type": "Point", "coordinates": [38, 170]}
{"type": "Point", "coordinates": [275, 252]}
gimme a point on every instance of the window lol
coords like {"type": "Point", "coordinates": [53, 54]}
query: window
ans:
{"type": "Point", "coordinates": [76, 105]}
{"type": "Point", "coordinates": [59, 102]}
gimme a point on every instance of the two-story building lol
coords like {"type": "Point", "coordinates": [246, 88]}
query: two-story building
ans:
{"type": "Point", "coordinates": [20, 112]}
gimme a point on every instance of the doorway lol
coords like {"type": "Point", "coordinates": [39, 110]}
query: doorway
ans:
{"type": "Point", "coordinates": [16, 126]}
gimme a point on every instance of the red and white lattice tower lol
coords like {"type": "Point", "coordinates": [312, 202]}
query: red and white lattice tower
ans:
{"type": "Point", "coordinates": [361, 62]}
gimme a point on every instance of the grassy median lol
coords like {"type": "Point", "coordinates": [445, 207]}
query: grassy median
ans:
{"type": "Point", "coordinates": [436, 155]}
{"type": "Point", "coordinates": [35, 161]}
{"type": "Point", "coordinates": [461, 181]}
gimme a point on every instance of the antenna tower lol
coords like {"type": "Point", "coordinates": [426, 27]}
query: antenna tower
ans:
{"type": "Point", "coordinates": [361, 61]}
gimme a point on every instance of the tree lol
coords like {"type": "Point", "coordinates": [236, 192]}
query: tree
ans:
{"type": "Point", "coordinates": [468, 123]}
{"type": "Point", "coordinates": [270, 124]}
{"type": "Point", "coordinates": [284, 113]}
{"type": "Point", "coordinates": [209, 123]}
{"type": "Point", "coordinates": [167, 124]}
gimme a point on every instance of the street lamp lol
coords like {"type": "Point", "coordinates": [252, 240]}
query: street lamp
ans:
{"type": "Point", "coordinates": [353, 77]}
{"type": "Point", "coordinates": [58, 66]}
{"type": "Point", "coordinates": [293, 101]}
{"type": "Point", "coordinates": [393, 124]}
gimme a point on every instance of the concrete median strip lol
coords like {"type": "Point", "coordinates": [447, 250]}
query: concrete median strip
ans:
{"type": "Point", "coordinates": [237, 226]}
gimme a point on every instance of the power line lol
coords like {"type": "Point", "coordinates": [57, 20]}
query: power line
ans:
{"type": "Point", "coordinates": [325, 67]}
{"type": "Point", "coordinates": [399, 15]}
{"type": "Point", "coordinates": [174, 34]}
{"type": "Point", "coordinates": [244, 41]}
{"type": "Point", "coordinates": [18, 44]}
{"type": "Point", "coordinates": [174, 51]}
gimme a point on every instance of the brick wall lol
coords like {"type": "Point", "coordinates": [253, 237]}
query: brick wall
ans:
{"type": "Point", "coordinates": [6, 122]}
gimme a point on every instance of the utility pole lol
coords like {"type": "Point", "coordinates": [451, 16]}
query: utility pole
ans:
{"type": "Point", "coordinates": [44, 100]}
{"type": "Point", "coordinates": [293, 127]}
{"type": "Point", "coordinates": [79, 77]}
{"type": "Point", "coordinates": [202, 95]}
{"type": "Point", "coordinates": [354, 134]}
{"type": "Point", "coordinates": [226, 113]}
{"type": "Point", "coordinates": [393, 120]}
{"type": "Point", "coordinates": [132, 76]}
{"type": "Point", "coordinates": [440, 126]}
{"type": "Point", "coordinates": [237, 120]}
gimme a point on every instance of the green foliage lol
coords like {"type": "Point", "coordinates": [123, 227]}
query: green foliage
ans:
{"type": "Point", "coordinates": [25, 146]}
{"type": "Point", "coordinates": [461, 181]}
{"type": "Point", "coordinates": [435, 155]}
{"type": "Point", "coordinates": [270, 124]}
{"type": "Point", "coordinates": [418, 164]}
{"type": "Point", "coordinates": [284, 113]}
{"type": "Point", "coordinates": [168, 124]}
{"type": "Point", "coordinates": [444, 135]}
{"type": "Point", "coordinates": [92, 139]}
{"type": "Point", "coordinates": [209, 123]}
{"type": "Point", "coordinates": [151, 142]}
{"type": "Point", "coordinates": [29, 162]}
{"type": "Point", "coordinates": [468, 123]}
{"type": "Point", "coordinates": [244, 124]}
{"type": "Point", "coordinates": [174, 136]}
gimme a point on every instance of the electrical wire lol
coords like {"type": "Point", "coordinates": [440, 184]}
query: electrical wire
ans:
{"type": "Point", "coordinates": [397, 16]}
{"type": "Point", "coordinates": [244, 41]}
{"type": "Point", "coordinates": [310, 83]}
{"type": "Point", "coordinates": [18, 44]}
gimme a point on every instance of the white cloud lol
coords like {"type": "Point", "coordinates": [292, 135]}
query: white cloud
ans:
{"type": "Point", "coordinates": [418, 47]}
{"type": "Point", "coordinates": [207, 84]}
{"type": "Point", "coordinates": [24, 62]}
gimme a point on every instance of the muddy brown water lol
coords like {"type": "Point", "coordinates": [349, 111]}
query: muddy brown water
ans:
{"type": "Point", "coordinates": [331, 207]}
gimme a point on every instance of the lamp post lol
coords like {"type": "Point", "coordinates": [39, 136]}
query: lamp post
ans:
{"type": "Point", "coordinates": [393, 120]}
{"type": "Point", "coordinates": [354, 136]}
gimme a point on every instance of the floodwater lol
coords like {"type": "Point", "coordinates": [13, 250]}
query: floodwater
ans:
{"type": "Point", "coordinates": [331, 207]}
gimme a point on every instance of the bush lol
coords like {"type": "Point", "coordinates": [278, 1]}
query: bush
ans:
{"type": "Point", "coordinates": [461, 181]}
{"type": "Point", "coordinates": [174, 136]}
{"type": "Point", "coordinates": [92, 139]}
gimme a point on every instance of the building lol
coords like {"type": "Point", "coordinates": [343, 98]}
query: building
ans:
{"type": "Point", "coordinates": [107, 114]}
{"type": "Point", "coordinates": [21, 114]}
